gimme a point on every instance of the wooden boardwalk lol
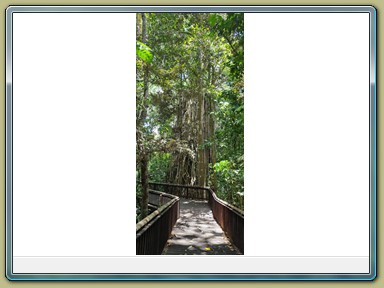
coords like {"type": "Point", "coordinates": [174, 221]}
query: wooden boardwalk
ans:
{"type": "Point", "coordinates": [197, 233]}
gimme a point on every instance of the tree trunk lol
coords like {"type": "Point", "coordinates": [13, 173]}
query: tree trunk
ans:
{"type": "Point", "coordinates": [144, 155]}
{"type": "Point", "coordinates": [213, 145]}
{"type": "Point", "coordinates": [200, 117]}
{"type": "Point", "coordinates": [144, 186]}
{"type": "Point", "coordinates": [211, 125]}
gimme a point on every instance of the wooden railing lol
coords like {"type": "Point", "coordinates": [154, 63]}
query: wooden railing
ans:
{"type": "Point", "coordinates": [191, 192]}
{"type": "Point", "coordinates": [153, 231]}
{"type": "Point", "coordinates": [230, 218]}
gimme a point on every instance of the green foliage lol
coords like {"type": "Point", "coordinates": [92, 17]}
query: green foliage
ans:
{"type": "Point", "coordinates": [158, 167]}
{"type": "Point", "coordinates": [143, 52]}
{"type": "Point", "coordinates": [193, 54]}
{"type": "Point", "coordinates": [230, 181]}
{"type": "Point", "coordinates": [230, 26]}
{"type": "Point", "coordinates": [222, 167]}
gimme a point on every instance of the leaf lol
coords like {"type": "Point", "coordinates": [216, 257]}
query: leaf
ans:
{"type": "Point", "coordinates": [142, 45]}
{"type": "Point", "coordinates": [144, 52]}
{"type": "Point", "coordinates": [207, 249]}
{"type": "Point", "coordinates": [212, 20]}
{"type": "Point", "coordinates": [144, 55]}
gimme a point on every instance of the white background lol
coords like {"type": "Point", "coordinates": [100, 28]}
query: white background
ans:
{"type": "Point", "coordinates": [74, 134]}
{"type": "Point", "coordinates": [306, 135]}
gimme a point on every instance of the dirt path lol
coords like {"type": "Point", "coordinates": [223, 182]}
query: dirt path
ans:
{"type": "Point", "coordinates": [197, 233]}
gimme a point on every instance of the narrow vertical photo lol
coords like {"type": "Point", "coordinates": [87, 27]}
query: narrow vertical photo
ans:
{"type": "Point", "coordinates": [190, 134]}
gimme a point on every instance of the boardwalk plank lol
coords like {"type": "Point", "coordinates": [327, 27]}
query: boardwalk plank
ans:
{"type": "Point", "coordinates": [197, 233]}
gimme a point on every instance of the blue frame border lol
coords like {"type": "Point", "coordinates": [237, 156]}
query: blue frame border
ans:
{"type": "Point", "coordinates": [196, 277]}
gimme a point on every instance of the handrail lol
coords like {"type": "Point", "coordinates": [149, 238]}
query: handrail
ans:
{"type": "Point", "coordinates": [188, 191]}
{"type": "Point", "coordinates": [155, 213]}
{"type": "Point", "coordinates": [179, 185]}
{"type": "Point", "coordinates": [222, 202]}
{"type": "Point", "coordinates": [161, 196]}
{"type": "Point", "coordinates": [154, 230]}
{"type": "Point", "coordinates": [229, 217]}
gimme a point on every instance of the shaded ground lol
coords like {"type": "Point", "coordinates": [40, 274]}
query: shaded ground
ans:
{"type": "Point", "coordinates": [197, 233]}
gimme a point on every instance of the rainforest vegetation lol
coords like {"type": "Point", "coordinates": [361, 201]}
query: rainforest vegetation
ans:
{"type": "Point", "coordinates": [190, 103]}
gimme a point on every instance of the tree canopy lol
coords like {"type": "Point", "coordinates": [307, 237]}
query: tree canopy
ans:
{"type": "Point", "coordinates": [190, 102]}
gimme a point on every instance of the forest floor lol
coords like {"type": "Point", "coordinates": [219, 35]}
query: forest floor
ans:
{"type": "Point", "coordinates": [197, 233]}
